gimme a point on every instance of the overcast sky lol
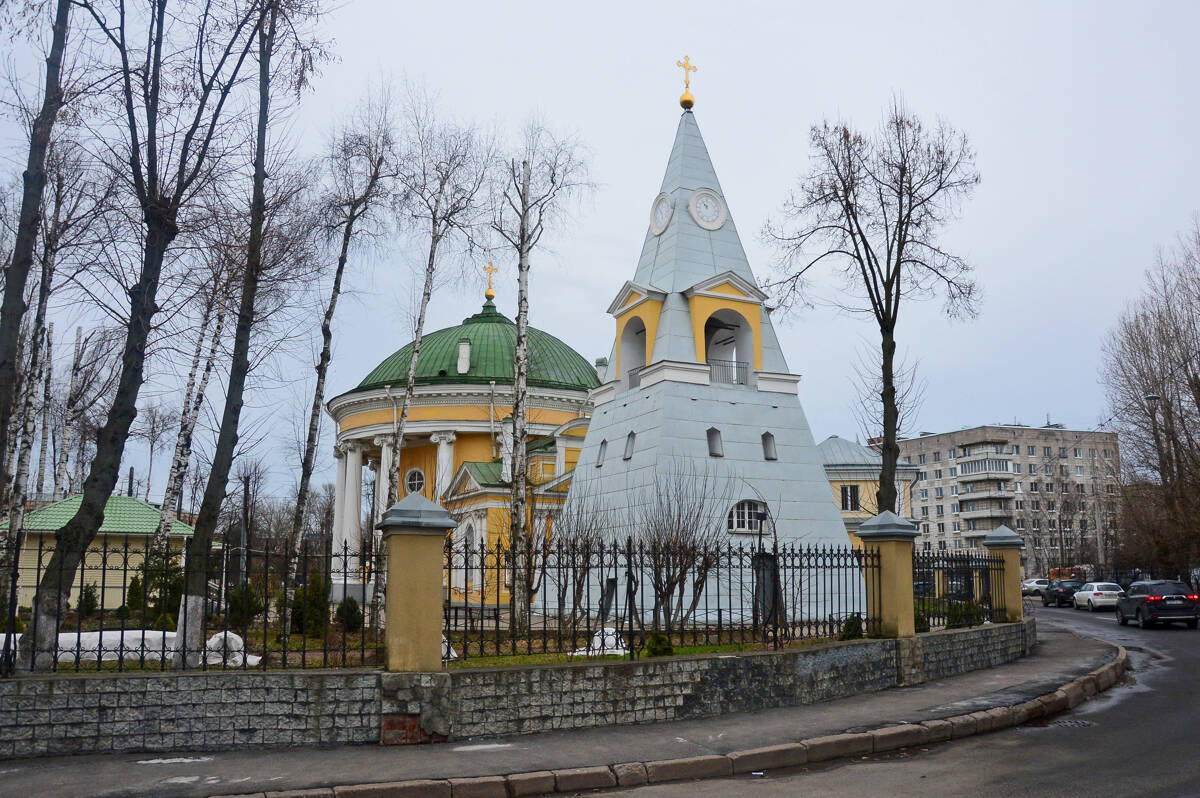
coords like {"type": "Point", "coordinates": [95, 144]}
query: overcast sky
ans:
{"type": "Point", "coordinates": [1083, 116]}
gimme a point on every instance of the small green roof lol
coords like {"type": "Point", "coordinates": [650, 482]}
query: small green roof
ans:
{"type": "Point", "coordinates": [123, 515]}
{"type": "Point", "coordinates": [488, 475]}
{"type": "Point", "coordinates": [493, 339]}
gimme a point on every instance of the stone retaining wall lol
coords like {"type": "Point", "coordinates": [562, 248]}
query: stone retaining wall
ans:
{"type": "Point", "coordinates": [63, 714]}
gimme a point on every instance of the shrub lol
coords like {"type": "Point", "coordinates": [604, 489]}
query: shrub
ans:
{"type": "Point", "coordinates": [122, 613]}
{"type": "Point", "coordinates": [852, 628]}
{"type": "Point", "coordinates": [18, 624]}
{"type": "Point", "coordinates": [963, 614]}
{"type": "Point", "coordinates": [310, 608]}
{"type": "Point", "coordinates": [659, 645]}
{"type": "Point", "coordinates": [349, 615]}
{"type": "Point", "coordinates": [89, 600]}
{"type": "Point", "coordinates": [244, 605]}
{"type": "Point", "coordinates": [920, 620]}
{"type": "Point", "coordinates": [163, 623]}
{"type": "Point", "coordinates": [134, 597]}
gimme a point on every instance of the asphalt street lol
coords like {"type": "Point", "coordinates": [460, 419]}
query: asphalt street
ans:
{"type": "Point", "coordinates": [1139, 738]}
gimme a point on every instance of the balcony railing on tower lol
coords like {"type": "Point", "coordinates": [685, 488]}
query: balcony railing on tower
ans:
{"type": "Point", "coordinates": [733, 372]}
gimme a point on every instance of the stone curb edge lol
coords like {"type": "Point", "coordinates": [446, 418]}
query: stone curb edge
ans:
{"type": "Point", "coordinates": [786, 755]}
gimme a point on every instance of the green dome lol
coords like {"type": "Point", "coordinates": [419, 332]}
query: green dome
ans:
{"type": "Point", "coordinates": [493, 337]}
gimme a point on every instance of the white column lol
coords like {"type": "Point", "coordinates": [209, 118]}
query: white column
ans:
{"type": "Point", "coordinates": [352, 507]}
{"type": "Point", "coordinates": [381, 480]}
{"type": "Point", "coordinates": [445, 461]}
{"type": "Point", "coordinates": [339, 497]}
{"type": "Point", "coordinates": [560, 456]}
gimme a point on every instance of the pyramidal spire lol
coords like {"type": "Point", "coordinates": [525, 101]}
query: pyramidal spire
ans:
{"type": "Point", "coordinates": [691, 235]}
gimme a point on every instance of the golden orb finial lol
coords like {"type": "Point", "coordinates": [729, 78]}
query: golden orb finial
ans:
{"type": "Point", "coordinates": [489, 294]}
{"type": "Point", "coordinates": [686, 100]}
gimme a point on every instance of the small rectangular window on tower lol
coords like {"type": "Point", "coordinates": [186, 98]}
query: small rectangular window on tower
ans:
{"type": "Point", "coordinates": [629, 446]}
{"type": "Point", "coordinates": [714, 443]}
{"type": "Point", "coordinates": [768, 444]}
{"type": "Point", "coordinates": [600, 454]}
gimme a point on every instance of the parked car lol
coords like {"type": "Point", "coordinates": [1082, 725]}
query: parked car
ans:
{"type": "Point", "coordinates": [1159, 601]}
{"type": "Point", "coordinates": [1034, 587]}
{"type": "Point", "coordinates": [1060, 591]}
{"type": "Point", "coordinates": [1097, 595]}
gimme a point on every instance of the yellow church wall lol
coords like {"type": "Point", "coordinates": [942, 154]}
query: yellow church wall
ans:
{"type": "Point", "coordinates": [577, 432]}
{"type": "Point", "coordinates": [453, 413]}
{"type": "Point", "coordinates": [702, 307]}
{"type": "Point", "coordinates": [648, 311]}
{"type": "Point", "coordinates": [571, 458]}
{"type": "Point", "coordinates": [634, 296]}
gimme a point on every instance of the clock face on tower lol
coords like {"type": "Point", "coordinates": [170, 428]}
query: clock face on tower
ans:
{"type": "Point", "coordinates": [660, 213]}
{"type": "Point", "coordinates": [707, 209]}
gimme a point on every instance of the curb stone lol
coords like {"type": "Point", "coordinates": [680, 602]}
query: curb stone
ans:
{"type": "Point", "coordinates": [775, 757]}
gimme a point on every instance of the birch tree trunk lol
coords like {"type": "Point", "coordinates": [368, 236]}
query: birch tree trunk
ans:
{"type": "Point", "coordinates": [44, 452]}
{"type": "Point", "coordinates": [17, 272]}
{"type": "Point", "coordinates": [70, 419]}
{"type": "Point", "coordinates": [193, 401]}
{"type": "Point", "coordinates": [518, 540]}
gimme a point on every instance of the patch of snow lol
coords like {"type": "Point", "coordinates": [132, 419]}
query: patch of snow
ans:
{"type": "Point", "coordinates": [606, 641]}
{"type": "Point", "coordinates": [143, 645]}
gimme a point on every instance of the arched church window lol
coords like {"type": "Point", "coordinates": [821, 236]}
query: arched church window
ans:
{"type": "Point", "coordinates": [600, 454]}
{"type": "Point", "coordinates": [715, 449]}
{"type": "Point", "coordinates": [414, 480]}
{"type": "Point", "coordinates": [768, 442]}
{"type": "Point", "coordinates": [747, 517]}
{"type": "Point", "coordinates": [629, 446]}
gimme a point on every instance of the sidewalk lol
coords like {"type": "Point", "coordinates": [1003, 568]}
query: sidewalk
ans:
{"type": "Point", "coordinates": [1059, 658]}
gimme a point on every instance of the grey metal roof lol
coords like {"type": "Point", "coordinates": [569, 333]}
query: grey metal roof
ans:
{"type": "Point", "coordinates": [839, 451]}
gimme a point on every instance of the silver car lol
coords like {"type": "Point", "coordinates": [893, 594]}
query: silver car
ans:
{"type": "Point", "coordinates": [1097, 595]}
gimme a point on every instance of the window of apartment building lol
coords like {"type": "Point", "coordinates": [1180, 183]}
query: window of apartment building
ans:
{"type": "Point", "coordinates": [1078, 452]}
{"type": "Point", "coordinates": [941, 510]}
{"type": "Point", "coordinates": [958, 544]}
{"type": "Point", "coordinates": [1062, 452]}
{"type": "Point", "coordinates": [954, 490]}
{"type": "Point", "coordinates": [1092, 453]}
{"type": "Point", "coordinates": [1019, 505]}
{"type": "Point", "coordinates": [941, 529]}
{"type": "Point", "coordinates": [925, 512]}
{"type": "Point", "coordinates": [969, 506]}
{"type": "Point", "coordinates": [1031, 450]}
{"type": "Point", "coordinates": [924, 493]}
{"type": "Point", "coordinates": [1033, 487]}
{"type": "Point", "coordinates": [1078, 471]}
{"type": "Point", "coordinates": [941, 545]}
{"type": "Point", "coordinates": [999, 448]}
{"type": "Point", "coordinates": [1108, 472]}
{"type": "Point", "coordinates": [1049, 507]}
{"type": "Point", "coordinates": [1049, 487]}
{"type": "Point", "coordinates": [1052, 524]}
{"type": "Point", "coordinates": [1108, 489]}
{"type": "Point", "coordinates": [937, 456]}
{"type": "Point", "coordinates": [1083, 525]}
{"type": "Point", "coordinates": [921, 475]}
{"type": "Point", "coordinates": [1020, 524]}
{"type": "Point", "coordinates": [1035, 524]}
{"type": "Point", "coordinates": [954, 507]}
{"type": "Point", "coordinates": [1047, 469]}
{"type": "Point", "coordinates": [1016, 468]}
{"type": "Point", "coordinates": [970, 526]}
{"type": "Point", "coordinates": [937, 493]}
{"type": "Point", "coordinates": [1016, 487]}
{"type": "Point", "coordinates": [1016, 448]}
{"type": "Point", "coordinates": [1083, 507]}
{"type": "Point", "coordinates": [954, 471]}
{"type": "Point", "coordinates": [955, 526]}
{"type": "Point", "coordinates": [1036, 504]}
{"type": "Point", "coordinates": [1107, 453]}
{"type": "Point", "coordinates": [921, 459]}
{"type": "Point", "coordinates": [1062, 470]}
{"type": "Point", "coordinates": [937, 473]}
{"type": "Point", "coordinates": [850, 498]}
{"type": "Point", "coordinates": [1047, 451]}
{"type": "Point", "coordinates": [926, 546]}
{"type": "Point", "coordinates": [926, 529]}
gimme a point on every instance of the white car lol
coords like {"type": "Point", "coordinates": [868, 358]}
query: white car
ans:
{"type": "Point", "coordinates": [1097, 595]}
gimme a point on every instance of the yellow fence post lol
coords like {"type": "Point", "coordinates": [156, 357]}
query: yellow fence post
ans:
{"type": "Point", "coordinates": [892, 537]}
{"type": "Point", "coordinates": [414, 537]}
{"type": "Point", "coordinates": [1008, 544]}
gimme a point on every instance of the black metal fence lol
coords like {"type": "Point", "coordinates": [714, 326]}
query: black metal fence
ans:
{"type": "Point", "coordinates": [618, 598]}
{"type": "Point", "coordinates": [124, 609]}
{"type": "Point", "coordinates": [957, 589]}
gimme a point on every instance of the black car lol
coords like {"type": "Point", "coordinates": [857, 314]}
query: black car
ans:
{"type": "Point", "coordinates": [1159, 601]}
{"type": "Point", "coordinates": [1060, 592]}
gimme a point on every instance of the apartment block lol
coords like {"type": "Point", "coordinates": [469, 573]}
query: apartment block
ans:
{"type": "Point", "coordinates": [1056, 487]}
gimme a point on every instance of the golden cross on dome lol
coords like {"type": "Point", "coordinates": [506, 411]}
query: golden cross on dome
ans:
{"type": "Point", "coordinates": [490, 269]}
{"type": "Point", "coordinates": [687, 100]}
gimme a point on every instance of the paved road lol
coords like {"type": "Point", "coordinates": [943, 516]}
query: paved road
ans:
{"type": "Point", "coordinates": [1139, 738]}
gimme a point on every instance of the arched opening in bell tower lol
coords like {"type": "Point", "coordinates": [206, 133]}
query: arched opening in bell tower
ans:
{"type": "Point", "coordinates": [728, 347]}
{"type": "Point", "coordinates": [633, 351]}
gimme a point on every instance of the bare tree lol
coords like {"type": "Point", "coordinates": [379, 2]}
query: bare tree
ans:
{"type": "Point", "coordinates": [360, 167]}
{"type": "Point", "coordinates": [875, 205]}
{"type": "Point", "coordinates": [681, 524]}
{"type": "Point", "coordinates": [533, 186]}
{"type": "Point", "coordinates": [16, 271]}
{"type": "Point", "coordinates": [172, 92]}
{"type": "Point", "coordinates": [283, 30]}
{"type": "Point", "coordinates": [156, 420]}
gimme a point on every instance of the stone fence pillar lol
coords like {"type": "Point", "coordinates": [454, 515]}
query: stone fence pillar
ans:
{"type": "Point", "coordinates": [414, 537]}
{"type": "Point", "coordinates": [892, 536]}
{"type": "Point", "coordinates": [1008, 544]}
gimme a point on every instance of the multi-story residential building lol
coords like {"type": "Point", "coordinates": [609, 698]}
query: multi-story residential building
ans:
{"type": "Point", "coordinates": [1056, 487]}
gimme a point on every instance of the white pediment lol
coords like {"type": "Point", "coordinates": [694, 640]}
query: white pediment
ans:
{"type": "Point", "coordinates": [632, 294]}
{"type": "Point", "coordinates": [719, 284]}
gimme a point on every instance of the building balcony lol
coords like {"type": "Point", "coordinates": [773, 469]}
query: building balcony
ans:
{"type": "Point", "coordinates": [731, 372]}
{"type": "Point", "coordinates": [980, 476]}
{"type": "Point", "coordinates": [978, 495]}
{"type": "Point", "coordinates": [985, 512]}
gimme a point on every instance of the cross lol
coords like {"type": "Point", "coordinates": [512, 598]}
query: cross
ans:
{"type": "Point", "coordinates": [490, 269]}
{"type": "Point", "coordinates": [687, 68]}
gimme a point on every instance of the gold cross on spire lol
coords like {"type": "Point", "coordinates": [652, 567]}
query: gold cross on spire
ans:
{"type": "Point", "coordinates": [490, 269]}
{"type": "Point", "coordinates": [687, 100]}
